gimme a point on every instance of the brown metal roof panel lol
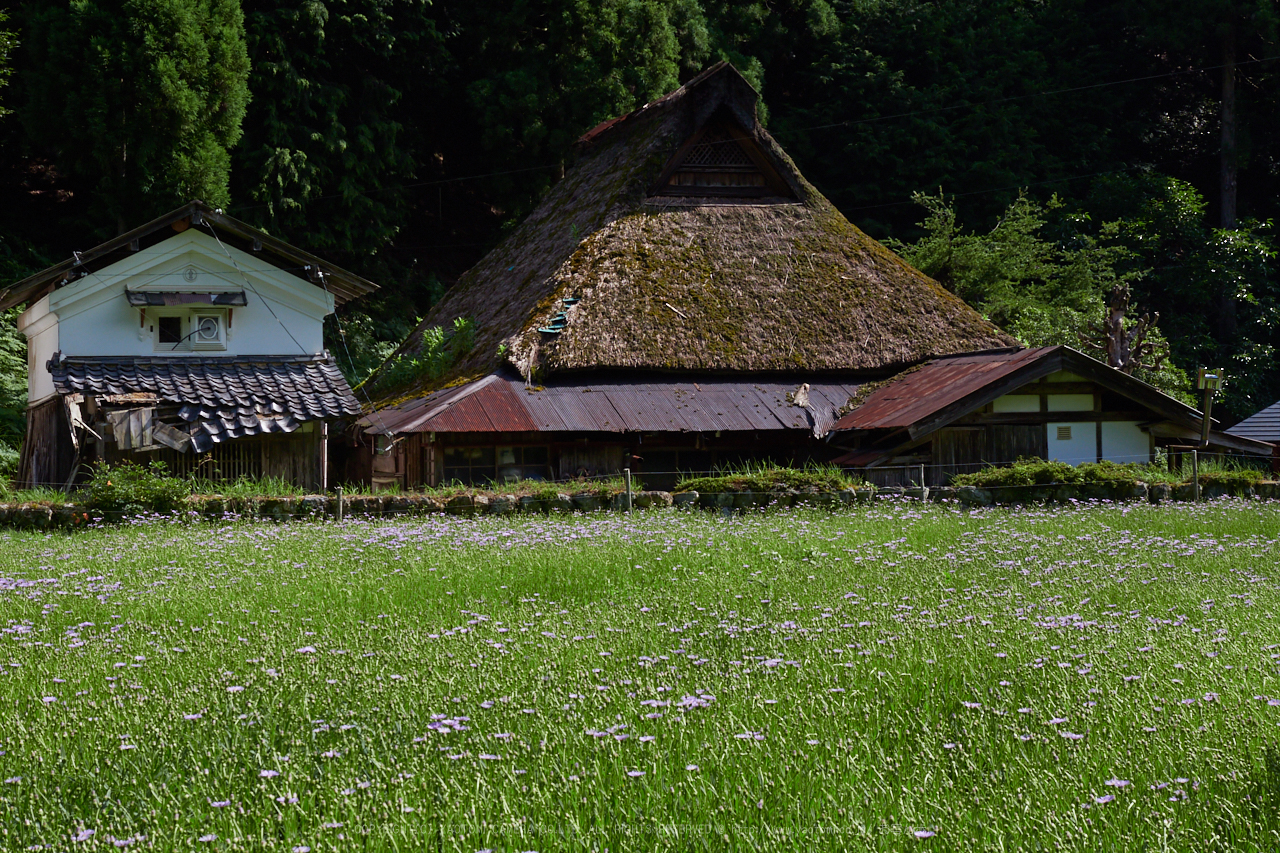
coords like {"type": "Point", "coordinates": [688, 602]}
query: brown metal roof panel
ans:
{"type": "Point", "coordinates": [755, 409]}
{"type": "Point", "coordinates": [393, 419]}
{"type": "Point", "coordinates": [773, 396]}
{"type": "Point", "coordinates": [574, 409]}
{"type": "Point", "coordinates": [541, 408]}
{"type": "Point", "coordinates": [720, 408]}
{"type": "Point", "coordinates": [506, 408]}
{"type": "Point", "coordinates": [466, 415]}
{"type": "Point", "coordinates": [938, 384]}
{"type": "Point", "coordinates": [643, 411]}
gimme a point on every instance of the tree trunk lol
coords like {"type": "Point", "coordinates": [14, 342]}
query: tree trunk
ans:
{"type": "Point", "coordinates": [1226, 307]}
{"type": "Point", "coordinates": [1227, 214]}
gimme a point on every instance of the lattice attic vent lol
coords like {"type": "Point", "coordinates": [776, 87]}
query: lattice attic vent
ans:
{"type": "Point", "coordinates": [721, 160]}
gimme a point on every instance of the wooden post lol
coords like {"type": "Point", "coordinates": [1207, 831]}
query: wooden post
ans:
{"type": "Point", "coordinates": [627, 472]}
{"type": "Point", "coordinates": [338, 511]}
{"type": "Point", "coordinates": [324, 456]}
{"type": "Point", "coordinates": [1195, 474]}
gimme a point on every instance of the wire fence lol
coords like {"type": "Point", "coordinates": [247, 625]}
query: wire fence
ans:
{"type": "Point", "coordinates": [728, 501]}
{"type": "Point", "coordinates": [922, 472]}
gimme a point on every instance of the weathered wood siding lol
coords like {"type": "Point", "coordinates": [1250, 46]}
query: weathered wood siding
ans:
{"type": "Point", "coordinates": [1008, 442]}
{"type": "Point", "coordinates": [956, 450]}
{"type": "Point", "coordinates": [48, 454]}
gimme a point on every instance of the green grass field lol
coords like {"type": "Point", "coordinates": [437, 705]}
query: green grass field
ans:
{"type": "Point", "coordinates": [895, 677]}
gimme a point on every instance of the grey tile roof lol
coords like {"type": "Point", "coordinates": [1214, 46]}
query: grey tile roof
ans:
{"type": "Point", "coordinates": [219, 398]}
{"type": "Point", "coordinates": [1264, 425]}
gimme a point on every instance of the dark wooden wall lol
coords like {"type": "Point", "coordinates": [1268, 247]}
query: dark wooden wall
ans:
{"type": "Point", "coordinates": [48, 453]}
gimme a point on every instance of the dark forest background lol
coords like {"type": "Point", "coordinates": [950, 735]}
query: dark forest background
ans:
{"type": "Point", "coordinates": [1031, 155]}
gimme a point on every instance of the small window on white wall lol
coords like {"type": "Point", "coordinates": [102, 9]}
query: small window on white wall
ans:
{"type": "Point", "coordinates": [186, 331]}
{"type": "Point", "coordinates": [208, 332]}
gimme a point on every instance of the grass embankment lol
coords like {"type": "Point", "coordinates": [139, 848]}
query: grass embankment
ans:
{"type": "Point", "coordinates": [912, 676]}
{"type": "Point", "coordinates": [1038, 472]}
{"type": "Point", "coordinates": [770, 478]}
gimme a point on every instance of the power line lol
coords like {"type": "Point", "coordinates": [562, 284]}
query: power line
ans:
{"type": "Point", "coordinates": [846, 123]}
{"type": "Point", "coordinates": [249, 284]}
{"type": "Point", "coordinates": [1149, 77]}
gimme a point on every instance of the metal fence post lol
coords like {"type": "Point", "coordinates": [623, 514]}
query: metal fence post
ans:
{"type": "Point", "coordinates": [921, 475]}
{"type": "Point", "coordinates": [627, 472]}
{"type": "Point", "coordinates": [338, 512]}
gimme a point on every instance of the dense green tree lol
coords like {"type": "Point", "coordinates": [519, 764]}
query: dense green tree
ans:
{"type": "Point", "coordinates": [7, 43]}
{"type": "Point", "coordinates": [980, 98]}
{"type": "Point", "coordinates": [1163, 223]}
{"type": "Point", "coordinates": [140, 98]}
{"type": "Point", "coordinates": [17, 261]}
{"type": "Point", "coordinates": [325, 156]}
{"type": "Point", "coordinates": [1043, 288]}
{"type": "Point", "coordinates": [530, 76]}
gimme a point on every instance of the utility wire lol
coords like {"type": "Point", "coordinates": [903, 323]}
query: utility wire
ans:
{"type": "Point", "coordinates": [249, 284]}
{"type": "Point", "coordinates": [846, 123]}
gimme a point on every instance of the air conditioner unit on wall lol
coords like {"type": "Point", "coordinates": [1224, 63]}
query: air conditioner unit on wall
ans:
{"type": "Point", "coordinates": [208, 332]}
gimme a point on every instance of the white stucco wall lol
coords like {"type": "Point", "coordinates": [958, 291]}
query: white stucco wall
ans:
{"type": "Point", "coordinates": [92, 317]}
{"type": "Point", "coordinates": [1082, 446]}
{"type": "Point", "coordinates": [1125, 441]}
{"type": "Point", "coordinates": [41, 328]}
{"type": "Point", "coordinates": [1016, 403]}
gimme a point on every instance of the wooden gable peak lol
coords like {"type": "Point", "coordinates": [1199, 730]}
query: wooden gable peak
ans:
{"type": "Point", "coordinates": [721, 159]}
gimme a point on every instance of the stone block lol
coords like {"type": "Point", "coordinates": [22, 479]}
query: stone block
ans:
{"type": "Point", "coordinates": [973, 496]}
{"type": "Point", "coordinates": [685, 499]}
{"type": "Point", "coordinates": [311, 506]}
{"type": "Point", "coordinates": [460, 505]}
{"type": "Point", "coordinates": [1129, 491]}
{"type": "Point", "coordinates": [588, 502]}
{"type": "Point", "coordinates": [368, 505]}
{"type": "Point", "coordinates": [276, 509]}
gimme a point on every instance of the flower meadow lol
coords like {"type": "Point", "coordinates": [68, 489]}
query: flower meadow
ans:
{"type": "Point", "coordinates": [901, 676]}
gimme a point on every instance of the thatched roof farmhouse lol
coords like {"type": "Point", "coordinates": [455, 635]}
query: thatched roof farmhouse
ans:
{"type": "Point", "coordinates": [682, 298]}
{"type": "Point", "coordinates": [684, 238]}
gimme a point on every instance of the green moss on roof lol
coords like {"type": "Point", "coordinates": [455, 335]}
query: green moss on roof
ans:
{"type": "Point", "coordinates": [697, 284]}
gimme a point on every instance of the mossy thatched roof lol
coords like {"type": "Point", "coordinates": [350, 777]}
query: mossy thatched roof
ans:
{"type": "Point", "coordinates": [708, 284]}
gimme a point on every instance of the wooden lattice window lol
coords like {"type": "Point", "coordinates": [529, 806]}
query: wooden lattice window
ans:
{"type": "Point", "coordinates": [721, 160]}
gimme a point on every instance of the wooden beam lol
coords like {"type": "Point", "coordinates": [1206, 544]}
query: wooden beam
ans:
{"type": "Point", "coordinates": [1023, 418]}
{"type": "Point", "coordinates": [1043, 387]}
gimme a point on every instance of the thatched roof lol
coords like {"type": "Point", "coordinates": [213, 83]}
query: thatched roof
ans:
{"type": "Point", "coordinates": [769, 277]}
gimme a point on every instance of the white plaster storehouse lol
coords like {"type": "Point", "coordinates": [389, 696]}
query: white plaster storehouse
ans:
{"type": "Point", "coordinates": [196, 340]}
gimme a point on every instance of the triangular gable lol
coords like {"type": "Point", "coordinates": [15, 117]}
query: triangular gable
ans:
{"type": "Point", "coordinates": [934, 395]}
{"type": "Point", "coordinates": [721, 159]}
{"type": "Point", "coordinates": [195, 215]}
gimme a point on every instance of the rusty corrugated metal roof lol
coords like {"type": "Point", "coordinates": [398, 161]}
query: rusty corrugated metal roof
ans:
{"type": "Point", "coordinates": [502, 403]}
{"type": "Point", "coordinates": [934, 386]}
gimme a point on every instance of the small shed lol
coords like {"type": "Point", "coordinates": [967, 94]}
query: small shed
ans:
{"type": "Point", "coordinates": [956, 414]}
{"type": "Point", "coordinates": [196, 340]}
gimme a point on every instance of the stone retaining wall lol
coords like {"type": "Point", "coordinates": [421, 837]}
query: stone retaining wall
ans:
{"type": "Point", "coordinates": [216, 507]}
